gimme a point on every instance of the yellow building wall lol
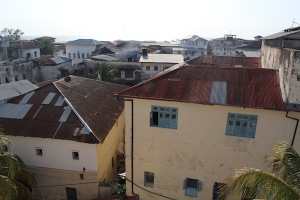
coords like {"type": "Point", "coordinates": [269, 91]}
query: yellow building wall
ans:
{"type": "Point", "coordinates": [109, 149]}
{"type": "Point", "coordinates": [198, 148]}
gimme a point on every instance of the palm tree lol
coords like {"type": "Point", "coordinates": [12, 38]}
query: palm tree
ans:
{"type": "Point", "coordinates": [282, 183]}
{"type": "Point", "coordinates": [15, 181]}
{"type": "Point", "coordinates": [106, 72]}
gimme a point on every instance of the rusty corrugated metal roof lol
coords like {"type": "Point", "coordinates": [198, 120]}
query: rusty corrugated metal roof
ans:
{"type": "Point", "coordinates": [93, 100]}
{"type": "Point", "coordinates": [226, 60]}
{"type": "Point", "coordinates": [249, 87]}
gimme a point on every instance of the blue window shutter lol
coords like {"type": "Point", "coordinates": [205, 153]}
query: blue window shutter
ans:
{"type": "Point", "coordinates": [184, 183]}
{"type": "Point", "coordinates": [199, 184]}
{"type": "Point", "coordinates": [192, 192]}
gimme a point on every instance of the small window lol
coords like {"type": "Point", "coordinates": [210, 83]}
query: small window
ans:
{"type": "Point", "coordinates": [155, 68]}
{"type": "Point", "coordinates": [24, 76]}
{"type": "Point", "coordinates": [164, 117]}
{"type": "Point", "coordinates": [81, 176]}
{"type": "Point", "coordinates": [74, 55]}
{"type": "Point", "coordinates": [87, 55]}
{"type": "Point", "coordinates": [35, 54]}
{"type": "Point", "coordinates": [5, 148]}
{"type": "Point", "coordinates": [75, 155]}
{"type": "Point", "coordinates": [39, 151]}
{"type": "Point", "coordinates": [148, 68]}
{"type": "Point", "coordinates": [82, 55]}
{"type": "Point", "coordinates": [192, 187]}
{"type": "Point", "coordinates": [78, 55]}
{"type": "Point", "coordinates": [241, 125]}
{"type": "Point", "coordinates": [149, 179]}
{"type": "Point", "coordinates": [69, 55]}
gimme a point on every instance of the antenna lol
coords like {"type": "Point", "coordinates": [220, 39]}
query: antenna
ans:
{"type": "Point", "coordinates": [294, 23]}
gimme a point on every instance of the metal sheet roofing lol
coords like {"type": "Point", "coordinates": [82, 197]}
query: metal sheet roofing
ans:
{"type": "Point", "coordinates": [84, 42]}
{"type": "Point", "coordinates": [283, 34]}
{"type": "Point", "coordinates": [162, 58]}
{"type": "Point", "coordinates": [13, 89]}
{"type": "Point", "coordinates": [232, 86]}
{"type": "Point", "coordinates": [93, 107]}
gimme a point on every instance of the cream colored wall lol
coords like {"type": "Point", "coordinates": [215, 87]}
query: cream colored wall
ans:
{"type": "Point", "coordinates": [152, 72]}
{"type": "Point", "coordinates": [198, 148]}
{"type": "Point", "coordinates": [110, 148]}
{"type": "Point", "coordinates": [52, 184]}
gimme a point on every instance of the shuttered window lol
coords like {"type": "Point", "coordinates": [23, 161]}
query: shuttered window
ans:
{"type": "Point", "coordinates": [148, 179]}
{"type": "Point", "coordinates": [191, 187]}
{"type": "Point", "coordinates": [241, 125]}
{"type": "Point", "coordinates": [164, 117]}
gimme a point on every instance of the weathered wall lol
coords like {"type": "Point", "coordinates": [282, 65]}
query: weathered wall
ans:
{"type": "Point", "coordinates": [288, 61]}
{"type": "Point", "coordinates": [109, 149]}
{"type": "Point", "coordinates": [198, 148]}
{"type": "Point", "coordinates": [16, 70]}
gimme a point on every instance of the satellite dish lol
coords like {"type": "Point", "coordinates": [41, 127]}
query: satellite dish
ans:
{"type": "Point", "coordinates": [67, 79]}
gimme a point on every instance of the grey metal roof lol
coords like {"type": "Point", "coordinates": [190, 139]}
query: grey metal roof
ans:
{"type": "Point", "coordinates": [60, 59]}
{"type": "Point", "coordinates": [162, 44]}
{"type": "Point", "coordinates": [283, 34]}
{"type": "Point", "coordinates": [162, 58]}
{"type": "Point", "coordinates": [125, 65]}
{"type": "Point", "coordinates": [84, 42]}
{"type": "Point", "coordinates": [13, 89]}
{"type": "Point", "coordinates": [104, 58]}
{"type": "Point", "coordinates": [194, 38]}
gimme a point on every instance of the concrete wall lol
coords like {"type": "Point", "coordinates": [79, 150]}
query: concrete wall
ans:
{"type": "Point", "coordinates": [14, 71]}
{"type": "Point", "coordinates": [32, 53]}
{"type": "Point", "coordinates": [86, 49]}
{"type": "Point", "coordinates": [198, 148]}
{"type": "Point", "coordinates": [288, 63]}
{"type": "Point", "coordinates": [150, 73]}
{"type": "Point", "coordinates": [223, 51]}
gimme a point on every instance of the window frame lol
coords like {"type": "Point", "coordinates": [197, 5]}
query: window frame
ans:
{"type": "Point", "coordinates": [39, 151]}
{"type": "Point", "coordinates": [148, 68]}
{"type": "Point", "coordinates": [241, 125]}
{"type": "Point", "coordinates": [74, 156]}
{"type": "Point", "coordinates": [164, 117]}
{"type": "Point", "coordinates": [147, 176]}
{"type": "Point", "coordinates": [192, 191]}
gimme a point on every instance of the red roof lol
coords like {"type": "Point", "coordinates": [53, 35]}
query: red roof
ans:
{"type": "Point", "coordinates": [226, 61]}
{"type": "Point", "coordinates": [234, 86]}
{"type": "Point", "coordinates": [94, 101]}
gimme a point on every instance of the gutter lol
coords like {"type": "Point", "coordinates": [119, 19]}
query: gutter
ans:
{"type": "Point", "coordinates": [296, 127]}
{"type": "Point", "coordinates": [132, 131]}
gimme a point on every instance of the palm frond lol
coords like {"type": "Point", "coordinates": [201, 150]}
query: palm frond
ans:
{"type": "Point", "coordinates": [262, 184]}
{"type": "Point", "coordinates": [12, 164]}
{"type": "Point", "coordinates": [23, 191]}
{"type": "Point", "coordinates": [285, 163]}
{"type": "Point", "coordinates": [8, 189]}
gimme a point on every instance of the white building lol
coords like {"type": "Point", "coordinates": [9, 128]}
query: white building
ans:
{"type": "Point", "coordinates": [192, 46]}
{"type": "Point", "coordinates": [227, 45]}
{"type": "Point", "coordinates": [80, 49]}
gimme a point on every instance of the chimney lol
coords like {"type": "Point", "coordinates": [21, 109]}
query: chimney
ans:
{"type": "Point", "coordinates": [145, 53]}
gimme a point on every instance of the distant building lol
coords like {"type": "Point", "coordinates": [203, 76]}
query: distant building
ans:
{"type": "Point", "coordinates": [24, 49]}
{"type": "Point", "coordinates": [192, 46]}
{"type": "Point", "coordinates": [227, 45]}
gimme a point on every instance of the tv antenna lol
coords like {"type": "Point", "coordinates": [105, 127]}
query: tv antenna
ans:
{"type": "Point", "coordinates": [294, 23]}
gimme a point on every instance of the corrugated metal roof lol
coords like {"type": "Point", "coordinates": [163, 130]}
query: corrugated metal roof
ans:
{"type": "Point", "coordinates": [162, 58]}
{"type": "Point", "coordinates": [226, 60]}
{"type": "Point", "coordinates": [94, 102]}
{"type": "Point", "coordinates": [13, 89]}
{"type": "Point", "coordinates": [281, 34]}
{"type": "Point", "coordinates": [84, 42]}
{"type": "Point", "coordinates": [249, 87]}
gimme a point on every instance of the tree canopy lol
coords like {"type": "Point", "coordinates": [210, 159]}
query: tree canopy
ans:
{"type": "Point", "coordinates": [282, 183]}
{"type": "Point", "coordinates": [12, 34]}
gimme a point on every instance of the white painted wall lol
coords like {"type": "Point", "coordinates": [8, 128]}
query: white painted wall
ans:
{"type": "Point", "coordinates": [57, 154]}
{"type": "Point", "coordinates": [86, 49]}
{"type": "Point", "coordinates": [223, 51]}
{"type": "Point", "coordinates": [32, 53]}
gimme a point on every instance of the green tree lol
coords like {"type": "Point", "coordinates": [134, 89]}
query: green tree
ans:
{"type": "Point", "coordinates": [106, 72]}
{"type": "Point", "coordinates": [13, 35]}
{"type": "Point", "coordinates": [282, 183]}
{"type": "Point", "coordinates": [15, 181]}
{"type": "Point", "coordinates": [47, 47]}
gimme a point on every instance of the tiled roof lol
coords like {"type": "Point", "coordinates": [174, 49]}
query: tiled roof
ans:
{"type": "Point", "coordinates": [29, 45]}
{"type": "Point", "coordinates": [232, 86]}
{"type": "Point", "coordinates": [161, 58]}
{"type": "Point", "coordinates": [226, 60]}
{"type": "Point", "coordinates": [53, 111]}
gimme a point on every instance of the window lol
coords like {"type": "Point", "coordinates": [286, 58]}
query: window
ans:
{"type": "Point", "coordinates": [148, 179]}
{"type": "Point", "coordinates": [81, 176]}
{"type": "Point", "coordinates": [147, 68]}
{"type": "Point", "coordinates": [78, 55]}
{"type": "Point", "coordinates": [179, 52]}
{"type": "Point", "coordinates": [191, 187]}
{"type": "Point", "coordinates": [35, 54]}
{"type": "Point", "coordinates": [87, 55]}
{"type": "Point", "coordinates": [155, 68]}
{"type": "Point", "coordinates": [216, 190]}
{"type": "Point", "coordinates": [39, 151]}
{"type": "Point", "coordinates": [112, 162]}
{"type": "Point", "coordinates": [82, 55]}
{"type": "Point", "coordinates": [5, 148]}
{"type": "Point", "coordinates": [74, 55]}
{"type": "Point", "coordinates": [241, 125]}
{"type": "Point", "coordinates": [75, 155]}
{"type": "Point", "coordinates": [164, 117]}
{"type": "Point", "coordinates": [69, 55]}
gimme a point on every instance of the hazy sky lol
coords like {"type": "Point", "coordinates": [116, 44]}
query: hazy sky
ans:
{"type": "Point", "coordinates": [148, 20]}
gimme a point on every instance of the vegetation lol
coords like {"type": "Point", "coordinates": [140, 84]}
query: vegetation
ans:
{"type": "Point", "coordinates": [15, 181]}
{"type": "Point", "coordinates": [47, 47]}
{"type": "Point", "coordinates": [106, 72]}
{"type": "Point", "coordinates": [120, 192]}
{"type": "Point", "coordinates": [12, 34]}
{"type": "Point", "coordinates": [283, 183]}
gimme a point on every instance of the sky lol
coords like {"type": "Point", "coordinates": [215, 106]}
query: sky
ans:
{"type": "Point", "coordinates": [155, 20]}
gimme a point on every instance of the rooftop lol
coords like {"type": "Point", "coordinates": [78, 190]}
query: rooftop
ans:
{"type": "Point", "coordinates": [231, 86]}
{"type": "Point", "coordinates": [161, 58]}
{"type": "Point", "coordinates": [84, 42]}
{"type": "Point", "coordinates": [292, 33]}
{"type": "Point", "coordinates": [13, 89]}
{"type": "Point", "coordinates": [82, 110]}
